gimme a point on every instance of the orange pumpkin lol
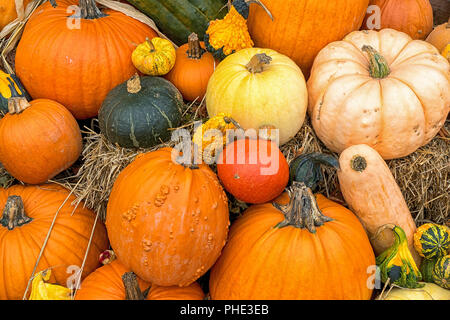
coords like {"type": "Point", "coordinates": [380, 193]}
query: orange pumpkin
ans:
{"type": "Point", "coordinates": [27, 215]}
{"type": "Point", "coordinates": [193, 68]}
{"type": "Point", "coordinates": [38, 140]}
{"type": "Point", "coordinates": [414, 17]}
{"type": "Point", "coordinates": [381, 89]}
{"type": "Point", "coordinates": [305, 248]}
{"type": "Point", "coordinates": [77, 61]}
{"type": "Point", "coordinates": [295, 30]}
{"type": "Point", "coordinates": [167, 222]}
{"type": "Point", "coordinates": [440, 36]}
{"type": "Point", "coordinates": [8, 11]}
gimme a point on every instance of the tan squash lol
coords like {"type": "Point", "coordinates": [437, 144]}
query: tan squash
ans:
{"type": "Point", "coordinates": [370, 190]}
{"type": "Point", "coordinates": [440, 36]}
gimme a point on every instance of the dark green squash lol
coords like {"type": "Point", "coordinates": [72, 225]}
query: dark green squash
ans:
{"type": "Point", "coordinates": [177, 19]}
{"type": "Point", "coordinates": [426, 268]}
{"type": "Point", "coordinates": [10, 87]}
{"type": "Point", "coordinates": [139, 112]}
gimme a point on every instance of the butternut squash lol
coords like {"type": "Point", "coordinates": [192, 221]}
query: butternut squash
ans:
{"type": "Point", "coordinates": [372, 193]}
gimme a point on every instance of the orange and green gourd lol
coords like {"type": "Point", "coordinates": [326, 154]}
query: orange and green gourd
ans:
{"type": "Point", "coordinates": [230, 34]}
{"type": "Point", "coordinates": [396, 263]}
{"type": "Point", "coordinates": [10, 87]}
{"type": "Point", "coordinates": [432, 240]}
{"type": "Point", "coordinates": [441, 272]}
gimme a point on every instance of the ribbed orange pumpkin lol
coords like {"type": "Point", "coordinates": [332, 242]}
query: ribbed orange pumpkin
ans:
{"type": "Point", "coordinates": [77, 65]}
{"type": "Point", "coordinates": [167, 222]}
{"type": "Point", "coordinates": [8, 11]}
{"type": "Point", "coordinates": [39, 140]}
{"type": "Point", "coordinates": [414, 17]}
{"type": "Point", "coordinates": [27, 215]}
{"type": "Point", "coordinates": [193, 68]}
{"type": "Point", "coordinates": [106, 283]}
{"type": "Point", "coordinates": [295, 252]}
{"type": "Point", "coordinates": [301, 28]}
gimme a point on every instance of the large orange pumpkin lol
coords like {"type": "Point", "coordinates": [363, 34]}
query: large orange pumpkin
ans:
{"type": "Point", "coordinates": [77, 61]}
{"type": "Point", "coordinates": [38, 140]}
{"type": "Point", "coordinates": [28, 212]}
{"type": "Point", "coordinates": [382, 89]}
{"type": "Point", "coordinates": [167, 222]}
{"type": "Point", "coordinates": [305, 248]}
{"type": "Point", "coordinates": [414, 17]}
{"type": "Point", "coordinates": [107, 283]}
{"type": "Point", "coordinates": [8, 11]}
{"type": "Point", "coordinates": [301, 28]}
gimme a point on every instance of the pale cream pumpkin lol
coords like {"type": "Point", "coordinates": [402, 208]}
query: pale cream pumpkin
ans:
{"type": "Point", "coordinates": [382, 89]}
{"type": "Point", "coordinates": [259, 88]}
{"type": "Point", "coordinates": [370, 190]}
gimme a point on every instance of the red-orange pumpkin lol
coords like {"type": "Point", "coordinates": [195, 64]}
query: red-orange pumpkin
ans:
{"type": "Point", "coordinates": [414, 17]}
{"type": "Point", "coordinates": [106, 283]}
{"type": "Point", "coordinates": [27, 215]}
{"type": "Point", "coordinates": [193, 68]}
{"type": "Point", "coordinates": [167, 222]}
{"type": "Point", "coordinates": [294, 252]}
{"type": "Point", "coordinates": [38, 140]}
{"type": "Point", "coordinates": [253, 170]}
{"type": "Point", "coordinates": [301, 28]}
{"type": "Point", "coordinates": [77, 61]}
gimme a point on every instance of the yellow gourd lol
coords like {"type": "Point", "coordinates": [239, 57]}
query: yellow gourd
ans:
{"type": "Point", "coordinates": [259, 88]}
{"type": "Point", "coordinates": [41, 290]}
{"type": "Point", "coordinates": [446, 52]}
{"type": "Point", "coordinates": [155, 57]}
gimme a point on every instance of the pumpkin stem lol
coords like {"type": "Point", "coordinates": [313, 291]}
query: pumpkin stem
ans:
{"type": "Point", "coordinates": [358, 163]}
{"type": "Point", "coordinates": [302, 210]}
{"type": "Point", "coordinates": [132, 290]}
{"type": "Point", "coordinates": [195, 51]}
{"type": "Point", "coordinates": [14, 213]}
{"type": "Point", "coordinates": [151, 45]}
{"type": "Point", "coordinates": [256, 64]}
{"type": "Point", "coordinates": [17, 104]}
{"type": "Point", "coordinates": [89, 10]}
{"type": "Point", "coordinates": [134, 84]}
{"type": "Point", "coordinates": [379, 67]}
{"type": "Point", "coordinates": [248, 2]}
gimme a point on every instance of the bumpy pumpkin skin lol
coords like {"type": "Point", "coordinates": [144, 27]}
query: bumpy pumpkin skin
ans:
{"type": "Point", "coordinates": [66, 246]}
{"type": "Point", "coordinates": [40, 142]}
{"type": "Point", "coordinates": [295, 30]}
{"type": "Point", "coordinates": [395, 115]}
{"type": "Point", "coordinates": [166, 222]}
{"type": "Point", "coordinates": [414, 17]}
{"type": "Point", "coordinates": [374, 196]}
{"type": "Point", "coordinates": [8, 11]}
{"type": "Point", "coordinates": [191, 75]}
{"type": "Point", "coordinates": [63, 64]}
{"type": "Point", "coordinates": [141, 119]}
{"type": "Point", "coordinates": [262, 262]}
{"type": "Point", "coordinates": [276, 96]}
{"type": "Point", "coordinates": [440, 36]}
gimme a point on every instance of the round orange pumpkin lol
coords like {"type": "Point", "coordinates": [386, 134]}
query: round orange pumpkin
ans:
{"type": "Point", "coordinates": [167, 222]}
{"type": "Point", "coordinates": [299, 248]}
{"type": "Point", "coordinates": [77, 61]}
{"type": "Point", "coordinates": [414, 17]}
{"type": "Point", "coordinates": [38, 140]}
{"type": "Point", "coordinates": [193, 68]}
{"type": "Point", "coordinates": [440, 36]}
{"type": "Point", "coordinates": [27, 213]}
{"type": "Point", "coordinates": [253, 170]}
{"type": "Point", "coordinates": [301, 28]}
{"type": "Point", "coordinates": [382, 89]}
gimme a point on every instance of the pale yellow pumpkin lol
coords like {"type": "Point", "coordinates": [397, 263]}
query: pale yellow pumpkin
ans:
{"type": "Point", "coordinates": [382, 89]}
{"type": "Point", "coordinates": [155, 57]}
{"type": "Point", "coordinates": [259, 88]}
{"type": "Point", "coordinates": [430, 291]}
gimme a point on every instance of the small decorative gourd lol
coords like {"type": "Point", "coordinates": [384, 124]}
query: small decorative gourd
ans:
{"type": "Point", "coordinates": [441, 272]}
{"type": "Point", "coordinates": [10, 87]}
{"type": "Point", "coordinates": [396, 263]}
{"type": "Point", "coordinates": [432, 240]}
{"type": "Point", "coordinates": [139, 112]}
{"type": "Point", "coordinates": [41, 289]}
{"type": "Point", "coordinates": [193, 68]}
{"type": "Point", "coordinates": [230, 34]}
{"type": "Point", "coordinates": [155, 57]}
